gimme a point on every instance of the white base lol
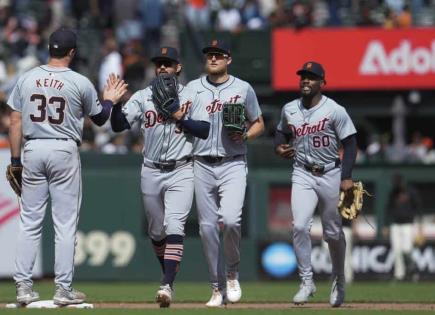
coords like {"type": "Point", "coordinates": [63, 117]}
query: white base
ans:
{"type": "Point", "coordinates": [48, 304]}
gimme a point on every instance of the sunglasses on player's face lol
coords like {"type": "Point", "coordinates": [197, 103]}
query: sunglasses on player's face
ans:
{"type": "Point", "coordinates": [216, 55]}
{"type": "Point", "coordinates": [164, 63]}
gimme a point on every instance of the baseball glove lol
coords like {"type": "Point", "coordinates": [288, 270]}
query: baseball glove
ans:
{"type": "Point", "coordinates": [233, 117]}
{"type": "Point", "coordinates": [165, 94]}
{"type": "Point", "coordinates": [351, 201]}
{"type": "Point", "coordinates": [14, 176]}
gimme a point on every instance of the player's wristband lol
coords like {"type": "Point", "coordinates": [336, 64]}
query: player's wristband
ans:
{"type": "Point", "coordinates": [16, 161]}
{"type": "Point", "coordinates": [245, 136]}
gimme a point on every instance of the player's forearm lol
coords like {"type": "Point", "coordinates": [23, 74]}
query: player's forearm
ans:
{"type": "Point", "coordinates": [349, 156]}
{"type": "Point", "coordinates": [280, 138]}
{"type": "Point", "coordinates": [15, 134]}
{"type": "Point", "coordinates": [118, 120]}
{"type": "Point", "coordinates": [256, 129]}
{"type": "Point", "coordinates": [102, 117]}
{"type": "Point", "coordinates": [197, 128]}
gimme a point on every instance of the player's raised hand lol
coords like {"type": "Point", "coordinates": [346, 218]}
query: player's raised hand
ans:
{"type": "Point", "coordinates": [112, 80]}
{"type": "Point", "coordinates": [115, 88]}
{"type": "Point", "coordinates": [285, 151]}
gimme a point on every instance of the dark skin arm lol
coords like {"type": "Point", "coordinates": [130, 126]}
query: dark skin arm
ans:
{"type": "Point", "coordinates": [282, 146]}
{"type": "Point", "coordinates": [285, 151]}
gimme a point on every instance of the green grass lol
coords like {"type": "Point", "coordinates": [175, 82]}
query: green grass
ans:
{"type": "Point", "coordinates": [208, 312]}
{"type": "Point", "coordinates": [258, 292]}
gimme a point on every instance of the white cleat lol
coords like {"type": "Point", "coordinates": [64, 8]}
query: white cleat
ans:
{"type": "Point", "coordinates": [25, 293]}
{"type": "Point", "coordinates": [164, 296]}
{"type": "Point", "coordinates": [216, 300]}
{"type": "Point", "coordinates": [306, 290]}
{"type": "Point", "coordinates": [234, 292]}
{"type": "Point", "coordinates": [337, 292]}
{"type": "Point", "coordinates": [69, 296]}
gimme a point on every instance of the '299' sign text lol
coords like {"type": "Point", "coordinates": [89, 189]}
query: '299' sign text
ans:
{"type": "Point", "coordinates": [96, 247]}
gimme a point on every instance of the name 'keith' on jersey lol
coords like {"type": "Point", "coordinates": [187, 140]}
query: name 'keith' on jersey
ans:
{"type": "Point", "coordinates": [53, 102]}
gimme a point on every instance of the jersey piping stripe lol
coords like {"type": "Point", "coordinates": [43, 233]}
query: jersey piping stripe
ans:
{"type": "Point", "coordinates": [220, 123]}
{"type": "Point", "coordinates": [79, 197]}
{"type": "Point", "coordinates": [212, 126]}
{"type": "Point", "coordinates": [54, 70]}
{"type": "Point", "coordinates": [307, 146]}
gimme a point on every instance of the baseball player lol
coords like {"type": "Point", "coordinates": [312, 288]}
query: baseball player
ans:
{"type": "Point", "coordinates": [48, 104]}
{"type": "Point", "coordinates": [311, 130]}
{"type": "Point", "coordinates": [220, 170]}
{"type": "Point", "coordinates": [167, 170]}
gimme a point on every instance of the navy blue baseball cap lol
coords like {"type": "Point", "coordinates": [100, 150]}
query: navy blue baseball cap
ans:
{"type": "Point", "coordinates": [312, 67]}
{"type": "Point", "coordinates": [218, 46]}
{"type": "Point", "coordinates": [63, 38]}
{"type": "Point", "coordinates": [166, 53]}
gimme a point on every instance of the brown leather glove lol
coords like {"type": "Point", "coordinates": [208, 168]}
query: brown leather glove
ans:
{"type": "Point", "coordinates": [14, 177]}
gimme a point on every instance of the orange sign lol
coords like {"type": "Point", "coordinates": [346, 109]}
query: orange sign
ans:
{"type": "Point", "coordinates": [356, 59]}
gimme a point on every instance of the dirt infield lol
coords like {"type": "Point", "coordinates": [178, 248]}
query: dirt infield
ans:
{"type": "Point", "coordinates": [349, 306]}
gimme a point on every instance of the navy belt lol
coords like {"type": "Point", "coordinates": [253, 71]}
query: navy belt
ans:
{"type": "Point", "coordinates": [317, 169]}
{"type": "Point", "coordinates": [217, 159]}
{"type": "Point", "coordinates": [168, 166]}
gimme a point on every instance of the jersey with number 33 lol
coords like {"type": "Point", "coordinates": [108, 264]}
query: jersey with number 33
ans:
{"type": "Point", "coordinates": [316, 132]}
{"type": "Point", "coordinates": [53, 101]}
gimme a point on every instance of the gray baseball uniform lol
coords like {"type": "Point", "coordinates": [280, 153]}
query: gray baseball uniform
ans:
{"type": "Point", "coordinates": [316, 134]}
{"type": "Point", "coordinates": [52, 102]}
{"type": "Point", "coordinates": [220, 175]}
{"type": "Point", "coordinates": [167, 171]}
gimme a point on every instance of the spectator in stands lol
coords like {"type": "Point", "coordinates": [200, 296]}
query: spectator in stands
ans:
{"type": "Point", "coordinates": [300, 14]}
{"type": "Point", "coordinates": [379, 148]}
{"type": "Point", "coordinates": [280, 16]}
{"type": "Point", "coordinates": [395, 5]}
{"type": "Point", "coordinates": [404, 18]}
{"type": "Point", "coordinates": [390, 19]}
{"type": "Point", "coordinates": [251, 16]}
{"type": "Point", "coordinates": [111, 63]}
{"type": "Point", "coordinates": [197, 14]}
{"type": "Point", "coordinates": [403, 206]}
{"type": "Point", "coordinates": [228, 18]}
{"type": "Point", "coordinates": [134, 64]}
{"type": "Point", "coordinates": [127, 24]}
{"type": "Point", "coordinates": [153, 18]}
{"type": "Point", "coordinates": [364, 15]}
{"type": "Point", "coordinates": [418, 148]}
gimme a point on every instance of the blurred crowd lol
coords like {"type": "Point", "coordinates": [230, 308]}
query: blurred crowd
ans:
{"type": "Point", "coordinates": [120, 36]}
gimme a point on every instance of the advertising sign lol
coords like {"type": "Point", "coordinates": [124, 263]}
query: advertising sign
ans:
{"type": "Point", "coordinates": [9, 220]}
{"type": "Point", "coordinates": [356, 59]}
{"type": "Point", "coordinates": [371, 260]}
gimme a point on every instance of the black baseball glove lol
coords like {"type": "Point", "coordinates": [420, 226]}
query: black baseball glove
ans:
{"type": "Point", "coordinates": [233, 117]}
{"type": "Point", "coordinates": [14, 177]}
{"type": "Point", "coordinates": [165, 94]}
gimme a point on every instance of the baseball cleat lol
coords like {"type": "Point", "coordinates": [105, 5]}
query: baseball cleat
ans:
{"type": "Point", "coordinates": [306, 290]}
{"type": "Point", "coordinates": [337, 292]}
{"type": "Point", "coordinates": [164, 296]}
{"type": "Point", "coordinates": [68, 296]}
{"type": "Point", "coordinates": [234, 292]}
{"type": "Point", "coordinates": [217, 299]}
{"type": "Point", "coordinates": [25, 293]}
